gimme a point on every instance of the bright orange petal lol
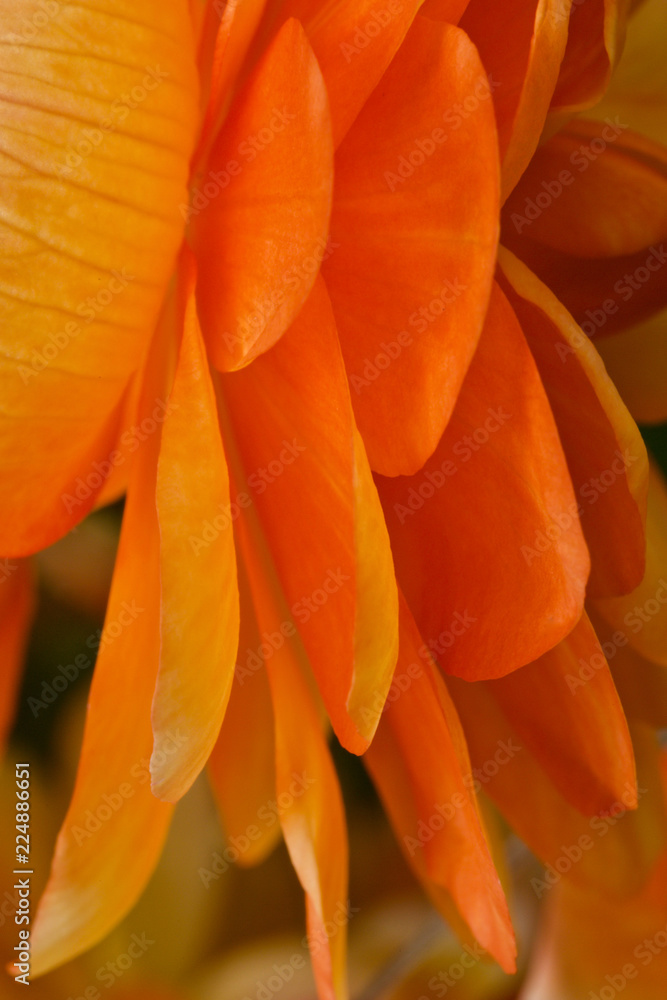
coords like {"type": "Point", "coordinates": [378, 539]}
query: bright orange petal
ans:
{"type": "Point", "coordinates": [412, 254]}
{"type": "Point", "coordinates": [307, 477]}
{"type": "Point", "coordinates": [486, 533]}
{"type": "Point", "coordinates": [522, 51]}
{"type": "Point", "coordinates": [258, 253]}
{"type": "Point", "coordinates": [439, 826]}
{"type": "Point", "coordinates": [565, 709]}
{"type": "Point", "coordinates": [89, 189]}
{"type": "Point", "coordinates": [608, 464]}
{"type": "Point", "coordinates": [197, 573]}
{"type": "Point", "coordinates": [114, 829]}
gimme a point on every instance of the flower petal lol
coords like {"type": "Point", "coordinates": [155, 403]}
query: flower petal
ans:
{"type": "Point", "coordinates": [307, 478]}
{"type": "Point", "coordinates": [90, 229]}
{"type": "Point", "coordinates": [413, 254]}
{"type": "Point", "coordinates": [522, 51]}
{"type": "Point", "coordinates": [642, 614]}
{"type": "Point", "coordinates": [566, 712]}
{"type": "Point", "coordinates": [112, 835]}
{"type": "Point", "coordinates": [258, 254]}
{"type": "Point", "coordinates": [596, 33]}
{"type": "Point", "coordinates": [637, 363]}
{"type": "Point", "coordinates": [608, 464]}
{"type": "Point", "coordinates": [16, 609]}
{"type": "Point", "coordinates": [197, 573]}
{"type": "Point", "coordinates": [421, 735]}
{"type": "Point", "coordinates": [495, 503]}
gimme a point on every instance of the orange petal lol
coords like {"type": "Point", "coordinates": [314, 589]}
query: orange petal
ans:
{"type": "Point", "coordinates": [439, 827]}
{"type": "Point", "coordinates": [596, 189]}
{"type": "Point", "coordinates": [241, 767]}
{"type": "Point", "coordinates": [412, 255]}
{"type": "Point", "coordinates": [608, 464]}
{"type": "Point", "coordinates": [114, 829]}
{"type": "Point", "coordinates": [307, 478]}
{"type": "Point", "coordinates": [16, 609]}
{"type": "Point", "coordinates": [637, 363]}
{"type": "Point", "coordinates": [596, 33]}
{"type": "Point", "coordinates": [565, 710]}
{"type": "Point", "coordinates": [522, 52]}
{"type": "Point", "coordinates": [197, 573]}
{"type": "Point", "coordinates": [89, 189]}
{"type": "Point", "coordinates": [258, 255]}
{"type": "Point", "coordinates": [642, 615]}
{"type": "Point", "coordinates": [486, 534]}
{"type": "Point", "coordinates": [573, 845]}
{"type": "Point", "coordinates": [354, 41]}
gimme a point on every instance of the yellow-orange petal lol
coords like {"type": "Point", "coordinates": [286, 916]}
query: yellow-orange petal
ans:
{"type": "Point", "coordinates": [642, 614]}
{"type": "Point", "coordinates": [306, 476]}
{"type": "Point", "coordinates": [608, 464]}
{"type": "Point", "coordinates": [420, 746]}
{"type": "Point", "coordinates": [241, 768]}
{"type": "Point", "coordinates": [522, 52]}
{"type": "Point", "coordinates": [486, 533]}
{"type": "Point", "coordinates": [260, 215]}
{"type": "Point", "coordinates": [97, 118]}
{"type": "Point", "coordinates": [412, 254]}
{"type": "Point", "coordinates": [567, 713]}
{"type": "Point", "coordinates": [112, 835]}
{"type": "Point", "coordinates": [596, 189]}
{"type": "Point", "coordinates": [199, 612]}
{"type": "Point", "coordinates": [16, 608]}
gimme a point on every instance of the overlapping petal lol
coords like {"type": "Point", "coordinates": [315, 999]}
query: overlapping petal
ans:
{"type": "Point", "coordinates": [412, 255]}
{"type": "Point", "coordinates": [16, 608]}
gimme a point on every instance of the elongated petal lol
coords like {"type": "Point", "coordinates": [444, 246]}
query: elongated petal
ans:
{"type": "Point", "coordinates": [596, 33]}
{"type": "Point", "coordinates": [354, 41]}
{"type": "Point", "coordinates": [522, 52]}
{"type": "Point", "coordinates": [565, 709]}
{"type": "Point", "coordinates": [241, 767]}
{"type": "Point", "coordinates": [16, 608]}
{"type": "Point", "coordinates": [642, 614]}
{"type": "Point", "coordinates": [258, 255]}
{"type": "Point", "coordinates": [114, 829]}
{"type": "Point", "coordinates": [608, 464]}
{"type": "Point", "coordinates": [307, 477]}
{"type": "Point", "coordinates": [573, 845]}
{"type": "Point", "coordinates": [495, 503]}
{"type": "Point", "coordinates": [199, 617]}
{"type": "Point", "coordinates": [412, 254]}
{"type": "Point", "coordinates": [89, 190]}
{"type": "Point", "coordinates": [596, 189]}
{"type": "Point", "coordinates": [420, 729]}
